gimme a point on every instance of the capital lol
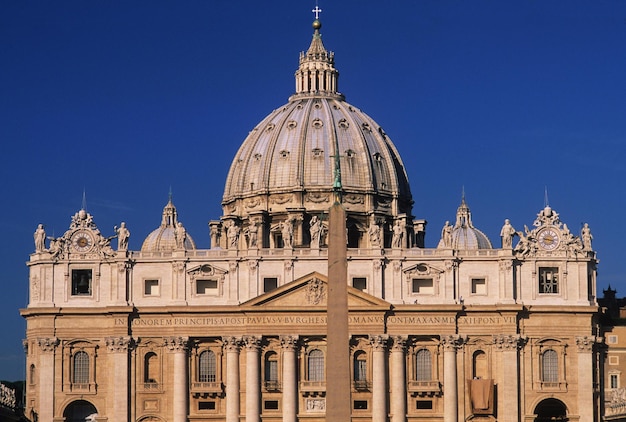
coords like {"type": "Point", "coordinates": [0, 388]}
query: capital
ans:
{"type": "Point", "coordinates": [507, 342]}
{"type": "Point", "coordinates": [231, 344]}
{"type": "Point", "coordinates": [585, 343]}
{"type": "Point", "coordinates": [118, 344]}
{"type": "Point", "coordinates": [451, 342]}
{"type": "Point", "coordinates": [48, 344]}
{"type": "Point", "coordinates": [252, 343]}
{"type": "Point", "coordinates": [289, 343]}
{"type": "Point", "coordinates": [379, 342]}
{"type": "Point", "coordinates": [398, 343]}
{"type": "Point", "coordinates": [176, 344]}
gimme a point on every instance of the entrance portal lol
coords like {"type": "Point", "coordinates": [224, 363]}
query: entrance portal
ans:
{"type": "Point", "coordinates": [79, 411]}
{"type": "Point", "coordinates": [551, 410]}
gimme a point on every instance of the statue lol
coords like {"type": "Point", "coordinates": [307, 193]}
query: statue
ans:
{"type": "Point", "coordinates": [316, 232]}
{"type": "Point", "coordinates": [40, 239]}
{"type": "Point", "coordinates": [374, 234]}
{"type": "Point", "coordinates": [506, 234]}
{"type": "Point", "coordinates": [287, 232]}
{"type": "Point", "coordinates": [57, 246]}
{"type": "Point", "coordinates": [180, 234]}
{"type": "Point", "coordinates": [446, 235]}
{"type": "Point", "coordinates": [232, 233]}
{"type": "Point", "coordinates": [252, 232]}
{"type": "Point", "coordinates": [585, 235]}
{"type": "Point", "coordinates": [398, 233]}
{"type": "Point", "coordinates": [122, 236]}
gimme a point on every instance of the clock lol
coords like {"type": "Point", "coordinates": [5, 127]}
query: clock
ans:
{"type": "Point", "coordinates": [548, 239]}
{"type": "Point", "coordinates": [82, 241]}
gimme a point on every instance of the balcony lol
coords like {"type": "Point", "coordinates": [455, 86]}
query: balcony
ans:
{"type": "Point", "coordinates": [151, 385]}
{"type": "Point", "coordinates": [313, 388]}
{"type": "Point", "coordinates": [206, 389]}
{"type": "Point", "coordinates": [361, 385]}
{"type": "Point", "coordinates": [271, 385]}
{"type": "Point", "coordinates": [424, 388]}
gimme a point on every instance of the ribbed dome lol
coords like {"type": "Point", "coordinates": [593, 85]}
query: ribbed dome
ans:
{"type": "Point", "coordinates": [165, 237]}
{"type": "Point", "coordinates": [464, 236]}
{"type": "Point", "coordinates": [288, 160]}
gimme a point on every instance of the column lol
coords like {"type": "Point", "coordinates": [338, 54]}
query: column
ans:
{"type": "Point", "coordinates": [586, 402]}
{"type": "Point", "coordinates": [508, 384]}
{"type": "Point", "coordinates": [231, 348]}
{"type": "Point", "coordinates": [46, 378]}
{"type": "Point", "coordinates": [398, 379]}
{"type": "Point", "coordinates": [290, 378]}
{"type": "Point", "coordinates": [178, 347]}
{"type": "Point", "coordinates": [450, 387]}
{"type": "Point", "coordinates": [253, 378]}
{"type": "Point", "coordinates": [118, 351]}
{"type": "Point", "coordinates": [379, 390]}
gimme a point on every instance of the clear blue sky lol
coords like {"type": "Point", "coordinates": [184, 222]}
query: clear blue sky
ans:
{"type": "Point", "coordinates": [125, 99]}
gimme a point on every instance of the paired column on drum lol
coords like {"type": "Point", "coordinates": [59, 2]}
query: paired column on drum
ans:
{"type": "Point", "coordinates": [118, 349]}
{"type": "Point", "coordinates": [231, 348]}
{"type": "Point", "coordinates": [379, 389]}
{"type": "Point", "coordinates": [178, 347]}
{"type": "Point", "coordinates": [398, 379]}
{"type": "Point", "coordinates": [290, 377]}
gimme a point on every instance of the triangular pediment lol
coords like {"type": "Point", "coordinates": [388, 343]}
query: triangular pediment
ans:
{"type": "Point", "coordinates": [309, 291]}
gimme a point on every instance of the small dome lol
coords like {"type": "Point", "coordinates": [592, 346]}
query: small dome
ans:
{"type": "Point", "coordinates": [166, 236]}
{"type": "Point", "coordinates": [464, 236]}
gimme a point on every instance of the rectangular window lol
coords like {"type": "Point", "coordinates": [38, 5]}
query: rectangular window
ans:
{"type": "Point", "coordinates": [548, 280]}
{"type": "Point", "coordinates": [424, 405]}
{"type": "Point", "coordinates": [151, 288]}
{"type": "Point", "coordinates": [270, 404]}
{"type": "Point", "coordinates": [269, 284]}
{"type": "Point", "coordinates": [206, 405]}
{"type": "Point", "coordinates": [360, 405]}
{"type": "Point", "coordinates": [613, 360]}
{"type": "Point", "coordinates": [479, 286]}
{"type": "Point", "coordinates": [614, 381]}
{"type": "Point", "coordinates": [423, 286]}
{"type": "Point", "coordinates": [359, 283]}
{"type": "Point", "coordinates": [612, 339]}
{"type": "Point", "coordinates": [81, 282]}
{"type": "Point", "coordinates": [206, 287]}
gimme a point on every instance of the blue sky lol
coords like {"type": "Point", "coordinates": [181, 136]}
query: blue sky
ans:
{"type": "Point", "coordinates": [124, 100]}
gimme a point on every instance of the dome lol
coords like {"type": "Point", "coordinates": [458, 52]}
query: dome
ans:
{"type": "Point", "coordinates": [463, 235]}
{"type": "Point", "coordinates": [288, 161]}
{"type": "Point", "coordinates": [166, 236]}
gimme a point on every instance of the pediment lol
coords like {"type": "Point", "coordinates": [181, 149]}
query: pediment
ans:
{"type": "Point", "coordinates": [206, 270]}
{"type": "Point", "coordinates": [311, 291]}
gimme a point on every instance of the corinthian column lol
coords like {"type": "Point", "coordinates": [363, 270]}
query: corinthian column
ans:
{"type": "Point", "coordinates": [290, 378]}
{"type": "Point", "coordinates": [508, 385]}
{"type": "Point", "coordinates": [118, 349]}
{"type": "Point", "coordinates": [178, 347]}
{"type": "Point", "coordinates": [46, 377]}
{"type": "Point", "coordinates": [253, 379]}
{"type": "Point", "coordinates": [379, 390]}
{"type": "Point", "coordinates": [450, 387]}
{"type": "Point", "coordinates": [231, 346]}
{"type": "Point", "coordinates": [586, 405]}
{"type": "Point", "coordinates": [398, 380]}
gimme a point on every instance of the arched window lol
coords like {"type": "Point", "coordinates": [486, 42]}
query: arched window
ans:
{"type": "Point", "coordinates": [549, 366]}
{"type": "Point", "coordinates": [479, 369]}
{"type": "Point", "coordinates": [206, 367]}
{"type": "Point", "coordinates": [31, 374]}
{"type": "Point", "coordinates": [151, 368]}
{"type": "Point", "coordinates": [81, 368]}
{"type": "Point", "coordinates": [360, 366]}
{"type": "Point", "coordinates": [316, 365]}
{"type": "Point", "coordinates": [423, 365]}
{"type": "Point", "coordinates": [271, 370]}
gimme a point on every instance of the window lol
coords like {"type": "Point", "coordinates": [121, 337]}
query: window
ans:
{"type": "Point", "coordinates": [548, 280]}
{"type": "Point", "coordinates": [612, 339]}
{"type": "Point", "coordinates": [614, 381]}
{"type": "Point", "coordinates": [81, 282]}
{"type": "Point", "coordinates": [480, 365]}
{"type": "Point", "coordinates": [479, 286]}
{"type": "Point", "coordinates": [424, 405]}
{"type": "Point", "coordinates": [206, 366]}
{"type": "Point", "coordinates": [31, 374]}
{"type": "Point", "coordinates": [206, 405]}
{"type": "Point", "coordinates": [269, 284]}
{"type": "Point", "coordinates": [150, 368]}
{"type": "Point", "coordinates": [316, 365]}
{"type": "Point", "coordinates": [423, 365]}
{"type": "Point", "coordinates": [151, 288]}
{"type": "Point", "coordinates": [359, 283]}
{"type": "Point", "coordinates": [360, 370]}
{"type": "Point", "coordinates": [549, 366]}
{"type": "Point", "coordinates": [360, 405]}
{"type": "Point", "coordinates": [423, 286]}
{"type": "Point", "coordinates": [206, 287]}
{"type": "Point", "coordinates": [81, 368]}
{"type": "Point", "coordinates": [271, 371]}
{"type": "Point", "coordinates": [270, 404]}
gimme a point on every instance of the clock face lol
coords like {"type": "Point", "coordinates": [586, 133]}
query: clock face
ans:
{"type": "Point", "coordinates": [548, 239]}
{"type": "Point", "coordinates": [82, 241]}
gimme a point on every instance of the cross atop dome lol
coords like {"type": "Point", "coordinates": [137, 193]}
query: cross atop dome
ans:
{"type": "Point", "coordinates": [317, 12]}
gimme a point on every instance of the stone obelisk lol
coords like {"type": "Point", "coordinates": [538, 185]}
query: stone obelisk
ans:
{"type": "Point", "coordinates": [338, 408]}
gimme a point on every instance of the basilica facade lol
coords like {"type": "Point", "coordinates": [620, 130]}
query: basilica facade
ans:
{"type": "Point", "coordinates": [468, 330]}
